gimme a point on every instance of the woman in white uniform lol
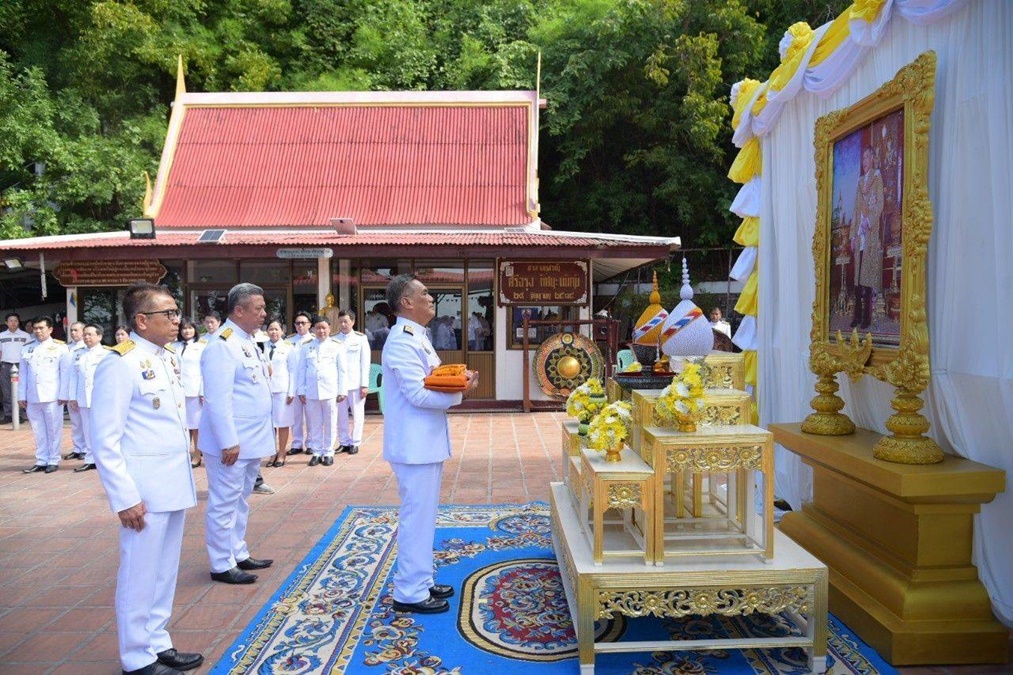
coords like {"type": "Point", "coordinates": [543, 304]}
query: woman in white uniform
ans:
{"type": "Point", "coordinates": [189, 349]}
{"type": "Point", "coordinates": [279, 351]}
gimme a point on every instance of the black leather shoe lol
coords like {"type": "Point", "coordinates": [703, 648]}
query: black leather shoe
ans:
{"type": "Point", "coordinates": [74, 455]}
{"type": "Point", "coordinates": [295, 451]}
{"type": "Point", "coordinates": [84, 467]}
{"type": "Point", "coordinates": [314, 460]}
{"type": "Point", "coordinates": [52, 468]}
{"type": "Point", "coordinates": [441, 591]}
{"type": "Point", "coordinates": [35, 469]}
{"type": "Point", "coordinates": [254, 564]}
{"type": "Point", "coordinates": [234, 576]}
{"type": "Point", "coordinates": [155, 668]}
{"type": "Point", "coordinates": [327, 461]}
{"type": "Point", "coordinates": [180, 660]}
{"type": "Point", "coordinates": [430, 605]}
{"type": "Point", "coordinates": [353, 450]}
{"type": "Point", "coordinates": [341, 448]}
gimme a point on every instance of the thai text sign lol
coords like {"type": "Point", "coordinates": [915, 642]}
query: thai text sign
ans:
{"type": "Point", "coordinates": [543, 282]}
{"type": "Point", "coordinates": [305, 253]}
{"type": "Point", "coordinates": [108, 272]}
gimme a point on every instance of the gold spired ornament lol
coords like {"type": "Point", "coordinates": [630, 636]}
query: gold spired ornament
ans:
{"type": "Point", "coordinates": [899, 358]}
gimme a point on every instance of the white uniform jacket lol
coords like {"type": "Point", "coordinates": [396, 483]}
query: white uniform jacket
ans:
{"type": "Point", "coordinates": [82, 375]}
{"type": "Point", "coordinates": [356, 360]}
{"type": "Point", "coordinates": [42, 371]}
{"type": "Point", "coordinates": [414, 418]}
{"type": "Point", "coordinates": [284, 353]}
{"type": "Point", "coordinates": [321, 370]}
{"type": "Point", "coordinates": [189, 364]}
{"type": "Point", "coordinates": [237, 396]}
{"type": "Point", "coordinates": [138, 434]}
{"type": "Point", "coordinates": [11, 344]}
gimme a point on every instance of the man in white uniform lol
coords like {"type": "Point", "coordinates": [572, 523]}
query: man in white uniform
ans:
{"type": "Point", "coordinates": [235, 433]}
{"type": "Point", "coordinates": [41, 374]}
{"type": "Point", "coordinates": [11, 342]}
{"type": "Point", "coordinates": [300, 338]}
{"type": "Point", "coordinates": [320, 386]}
{"type": "Point", "coordinates": [356, 383]}
{"type": "Point", "coordinates": [416, 442]}
{"type": "Point", "coordinates": [76, 348]}
{"type": "Point", "coordinates": [139, 439]}
{"type": "Point", "coordinates": [82, 382]}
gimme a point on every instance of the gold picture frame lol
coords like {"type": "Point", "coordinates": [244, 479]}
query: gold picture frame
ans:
{"type": "Point", "coordinates": [873, 223]}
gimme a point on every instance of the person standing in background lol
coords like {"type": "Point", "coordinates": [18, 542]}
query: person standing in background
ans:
{"type": "Point", "coordinates": [75, 349]}
{"type": "Point", "coordinates": [41, 374]}
{"type": "Point", "coordinates": [11, 342]}
{"type": "Point", "coordinates": [280, 353]}
{"type": "Point", "coordinates": [299, 339]}
{"type": "Point", "coordinates": [189, 348]}
{"type": "Point", "coordinates": [235, 433]}
{"type": "Point", "coordinates": [82, 382]}
{"type": "Point", "coordinates": [142, 453]}
{"type": "Point", "coordinates": [416, 443]}
{"type": "Point", "coordinates": [320, 385]}
{"type": "Point", "coordinates": [356, 384]}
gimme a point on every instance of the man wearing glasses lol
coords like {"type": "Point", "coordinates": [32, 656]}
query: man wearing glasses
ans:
{"type": "Point", "coordinates": [235, 432]}
{"type": "Point", "coordinates": [141, 447]}
{"type": "Point", "coordinates": [301, 338]}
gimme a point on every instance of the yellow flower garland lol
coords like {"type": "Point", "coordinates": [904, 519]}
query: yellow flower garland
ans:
{"type": "Point", "coordinates": [611, 427]}
{"type": "Point", "coordinates": [684, 398]}
{"type": "Point", "coordinates": [586, 400]}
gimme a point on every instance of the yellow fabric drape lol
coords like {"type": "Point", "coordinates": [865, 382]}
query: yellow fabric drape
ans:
{"type": "Point", "coordinates": [866, 10]}
{"type": "Point", "coordinates": [748, 233]}
{"type": "Point", "coordinates": [746, 89]}
{"type": "Point", "coordinates": [761, 100]}
{"type": "Point", "coordinates": [836, 33]}
{"type": "Point", "coordinates": [802, 37]}
{"type": "Point", "coordinates": [749, 360]}
{"type": "Point", "coordinates": [748, 163]}
{"type": "Point", "coordinates": [747, 300]}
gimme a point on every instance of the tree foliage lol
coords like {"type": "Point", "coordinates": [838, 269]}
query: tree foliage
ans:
{"type": "Point", "coordinates": [635, 138]}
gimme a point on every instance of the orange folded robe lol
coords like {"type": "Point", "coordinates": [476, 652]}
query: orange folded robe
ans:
{"type": "Point", "coordinates": [449, 378]}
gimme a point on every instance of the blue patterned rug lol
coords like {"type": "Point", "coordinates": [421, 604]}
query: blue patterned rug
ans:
{"type": "Point", "coordinates": [333, 614]}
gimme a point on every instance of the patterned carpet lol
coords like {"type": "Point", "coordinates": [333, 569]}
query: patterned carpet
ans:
{"type": "Point", "coordinates": [333, 615]}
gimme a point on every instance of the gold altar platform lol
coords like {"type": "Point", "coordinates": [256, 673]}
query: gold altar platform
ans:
{"type": "Point", "coordinates": [898, 541]}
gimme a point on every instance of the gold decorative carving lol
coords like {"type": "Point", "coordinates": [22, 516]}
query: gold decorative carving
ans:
{"type": "Point", "coordinates": [906, 364]}
{"type": "Point", "coordinates": [722, 414]}
{"type": "Point", "coordinates": [705, 601]}
{"type": "Point", "coordinates": [624, 495]}
{"type": "Point", "coordinates": [720, 460]}
{"type": "Point", "coordinates": [588, 481]}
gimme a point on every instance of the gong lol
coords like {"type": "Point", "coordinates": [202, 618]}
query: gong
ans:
{"type": "Point", "coordinates": [565, 361]}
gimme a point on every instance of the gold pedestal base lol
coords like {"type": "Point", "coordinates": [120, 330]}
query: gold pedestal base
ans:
{"type": "Point", "coordinates": [897, 539]}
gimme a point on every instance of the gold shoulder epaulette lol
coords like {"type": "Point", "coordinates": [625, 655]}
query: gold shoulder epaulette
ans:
{"type": "Point", "coordinates": [59, 342]}
{"type": "Point", "coordinates": [225, 334]}
{"type": "Point", "coordinates": [359, 333]}
{"type": "Point", "coordinates": [170, 349]}
{"type": "Point", "coordinates": [124, 347]}
{"type": "Point", "coordinates": [203, 340]}
{"type": "Point", "coordinates": [408, 329]}
{"type": "Point", "coordinates": [108, 348]}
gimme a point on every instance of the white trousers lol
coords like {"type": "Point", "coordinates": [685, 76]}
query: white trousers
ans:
{"type": "Point", "coordinates": [355, 404]}
{"type": "Point", "coordinates": [418, 485]}
{"type": "Point", "coordinates": [321, 424]}
{"type": "Point", "coordinates": [77, 433]}
{"type": "Point", "coordinates": [85, 417]}
{"type": "Point", "coordinates": [298, 424]}
{"type": "Point", "coordinates": [47, 426]}
{"type": "Point", "coordinates": [145, 586]}
{"type": "Point", "coordinates": [228, 510]}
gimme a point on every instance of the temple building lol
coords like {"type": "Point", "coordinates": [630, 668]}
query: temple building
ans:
{"type": "Point", "coordinates": [321, 198]}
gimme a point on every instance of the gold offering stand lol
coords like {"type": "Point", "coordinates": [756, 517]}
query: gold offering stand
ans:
{"type": "Point", "coordinates": [672, 529]}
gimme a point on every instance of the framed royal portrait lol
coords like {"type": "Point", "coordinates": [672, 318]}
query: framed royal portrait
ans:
{"type": "Point", "coordinates": [873, 223]}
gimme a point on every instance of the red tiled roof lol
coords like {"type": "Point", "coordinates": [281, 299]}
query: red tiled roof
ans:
{"type": "Point", "coordinates": [378, 164]}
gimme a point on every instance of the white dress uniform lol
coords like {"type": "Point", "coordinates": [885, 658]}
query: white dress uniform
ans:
{"type": "Point", "coordinates": [279, 355]}
{"type": "Point", "coordinates": [189, 354]}
{"type": "Point", "coordinates": [298, 411]}
{"type": "Point", "coordinates": [142, 452]}
{"type": "Point", "coordinates": [356, 376]}
{"type": "Point", "coordinates": [77, 433]}
{"type": "Point", "coordinates": [82, 382]}
{"type": "Point", "coordinates": [321, 379]}
{"type": "Point", "coordinates": [416, 442]}
{"type": "Point", "coordinates": [41, 374]}
{"type": "Point", "coordinates": [237, 411]}
{"type": "Point", "coordinates": [10, 355]}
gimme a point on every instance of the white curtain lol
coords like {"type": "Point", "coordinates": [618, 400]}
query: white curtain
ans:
{"type": "Point", "coordinates": [970, 266]}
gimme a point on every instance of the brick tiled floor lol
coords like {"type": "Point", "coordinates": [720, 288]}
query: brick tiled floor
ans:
{"type": "Point", "coordinates": [58, 539]}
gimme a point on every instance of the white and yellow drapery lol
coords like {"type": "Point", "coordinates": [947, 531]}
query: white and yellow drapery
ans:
{"type": "Point", "coordinates": [969, 401]}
